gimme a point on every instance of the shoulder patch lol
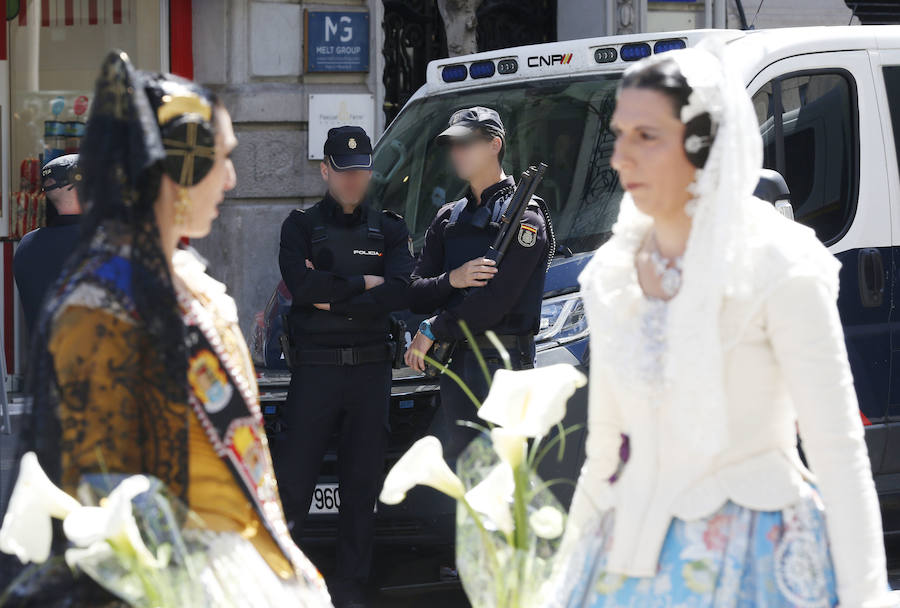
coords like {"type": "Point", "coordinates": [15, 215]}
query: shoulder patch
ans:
{"type": "Point", "coordinates": [392, 214]}
{"type": "Point", "coordinates": [527, 235]}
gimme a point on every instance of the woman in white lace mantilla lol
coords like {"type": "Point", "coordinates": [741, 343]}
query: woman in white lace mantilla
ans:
{"type": "Point", "coordinates": [715, 337]}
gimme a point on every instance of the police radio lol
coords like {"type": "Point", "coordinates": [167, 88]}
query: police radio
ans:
{"type": "Point", "coordinates": [442, 351]}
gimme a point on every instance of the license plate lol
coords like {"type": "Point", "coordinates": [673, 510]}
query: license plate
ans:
{"type": "Point", "coordinates": [326, 499]}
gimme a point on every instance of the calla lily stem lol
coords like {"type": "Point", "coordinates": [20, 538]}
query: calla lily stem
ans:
{"type": "Point", "coordinates": [453, 376]}
{"type": "Point", "coordinates": [488, 546]}
{"type": "Point", "coordinates": [478, 356]}
{"type": "Point", "coordinates": [537, 457]}
{"type": "Point", "coordinates": [504, 354]}
{"type": "Point", "coordinates": [548, 484]}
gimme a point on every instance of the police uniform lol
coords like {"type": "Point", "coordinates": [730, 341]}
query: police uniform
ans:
{"type": "Point", "coordinates": [509, 304]}
{"type": "Point", "coordinates": [341, 358]}
{"type": "Point", "coordinates": [42, 253]}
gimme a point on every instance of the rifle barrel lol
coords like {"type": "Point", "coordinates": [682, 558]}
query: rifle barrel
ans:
{"type": "Point", "coordinates": [507, 231]}
{"type": "Point", "coordinates": [518, 195]}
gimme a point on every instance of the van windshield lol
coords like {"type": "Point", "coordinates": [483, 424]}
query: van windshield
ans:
{"type": "Point", "coordinates": [564, 123]}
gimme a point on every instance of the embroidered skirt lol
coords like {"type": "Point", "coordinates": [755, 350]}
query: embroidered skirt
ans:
{"type": "Point", "coordinates": [735, 558]}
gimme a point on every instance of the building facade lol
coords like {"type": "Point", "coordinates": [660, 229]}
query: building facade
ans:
{"type": "Point", "coordinates": [253, 53]}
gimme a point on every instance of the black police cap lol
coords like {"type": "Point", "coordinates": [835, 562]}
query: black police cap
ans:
{"type": "Point", "coordinates": [60, 172]}
{"type": "Point", "coordinates": [348, 147]}
{"type": "Point", "coordinates": [473, 122]}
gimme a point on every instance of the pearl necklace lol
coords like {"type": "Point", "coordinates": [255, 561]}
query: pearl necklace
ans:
{"type": "Point", "coordinates": [668, 270]}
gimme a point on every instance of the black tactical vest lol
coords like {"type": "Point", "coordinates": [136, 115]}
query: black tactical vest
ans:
{"type": "Point", "coordinates": [345, 250]}
{"type": "Point", "coordinates": [468, 235]}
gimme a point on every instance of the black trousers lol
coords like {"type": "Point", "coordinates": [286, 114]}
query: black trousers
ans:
{"type": "Point", "coordinates": [353, 401]}
{"type": "Point", "coordinates": [456, 405]}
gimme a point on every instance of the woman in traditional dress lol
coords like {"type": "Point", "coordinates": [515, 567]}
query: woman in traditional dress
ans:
{"type": "Point", "coordinates": [715, 337]}
{"type": "Point", "coordinates": [140, 366]}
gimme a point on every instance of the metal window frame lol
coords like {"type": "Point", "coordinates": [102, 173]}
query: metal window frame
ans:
{"type": "Point", "coordinates": [777, 116]}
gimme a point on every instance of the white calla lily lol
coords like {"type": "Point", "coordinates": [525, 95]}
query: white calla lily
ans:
{"type": "Point", "coordinates": [511, 447]}
{"type": "Point", "coordinates": [113, 522]}
{"type": "Point", "coordinates": [97, 552]}
{"type": "Point", "coordinates": [27, 531]}
{"type": "Point", "coordinates": [492, 497]}
{"type": "Point", "coordinates": [528, 403]}
{"type": "Point", "coordinates": [547, 522]}
{"type": "Point", "coordinates": [422, 464]}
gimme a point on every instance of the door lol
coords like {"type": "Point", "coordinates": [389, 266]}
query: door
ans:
{"type": "Point", "coordinates": [886, 71]}
{"type": "Point", "coordinates": [831, 156]}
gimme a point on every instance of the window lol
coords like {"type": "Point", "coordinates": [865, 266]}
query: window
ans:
{"type": "Point", "coordinates": [55, 52]}
{"type": "Point", "coordinates": [564, 123]}
{"type": "Point", "coordinates": [809, 128]}
{"type": "Point", "coordinates": [892, 85]}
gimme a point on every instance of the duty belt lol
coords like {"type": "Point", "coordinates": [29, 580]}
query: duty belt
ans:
{"type": "Point", "coordinates": [351, 355]}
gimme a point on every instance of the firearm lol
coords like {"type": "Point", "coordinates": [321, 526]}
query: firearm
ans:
{"type": "Point", "coordinates": [397, 342]}
{"type": "Point", "coordinates": [442, 351]}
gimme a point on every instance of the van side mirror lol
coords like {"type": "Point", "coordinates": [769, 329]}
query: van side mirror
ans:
{"type": "Point", "coordinates": [772, 187]}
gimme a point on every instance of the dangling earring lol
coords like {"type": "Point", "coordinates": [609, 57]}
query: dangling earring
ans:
{"type": "Point", "coordinates": [182, 206]}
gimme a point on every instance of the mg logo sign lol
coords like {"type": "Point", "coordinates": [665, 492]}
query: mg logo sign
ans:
{"type": "Point", "coordinates": [536, 61]}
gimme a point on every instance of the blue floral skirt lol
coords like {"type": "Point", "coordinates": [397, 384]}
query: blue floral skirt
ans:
{"type": "Point", "coordinates": [735, 558]}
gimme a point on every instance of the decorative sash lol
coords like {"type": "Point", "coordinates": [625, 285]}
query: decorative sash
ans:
{"type": "Point", "coordinates": [223, 401]}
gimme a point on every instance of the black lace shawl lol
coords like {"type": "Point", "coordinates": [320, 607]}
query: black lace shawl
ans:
{"type": "Point", "coordinates": [121, 161]}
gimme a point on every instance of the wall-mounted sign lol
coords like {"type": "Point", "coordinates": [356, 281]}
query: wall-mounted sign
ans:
{"type": "Point", "coordinates": [336, 41]}
{"type": "Point", "coordinates": [327, 111]}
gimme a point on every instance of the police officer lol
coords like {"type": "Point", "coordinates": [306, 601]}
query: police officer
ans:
{"type": "Point", "coordinates": [42, 253]}
{"type": "Point", "coordinates": [455, 281]}
{"type": "Point", "coordinates": [347, 267]}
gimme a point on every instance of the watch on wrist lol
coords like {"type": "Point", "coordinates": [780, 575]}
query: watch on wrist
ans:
{"type": "Point", "coordinates": [425, 329]}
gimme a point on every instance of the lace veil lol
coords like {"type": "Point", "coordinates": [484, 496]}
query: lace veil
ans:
{"type": "Point", "coordinates": [722, 259]}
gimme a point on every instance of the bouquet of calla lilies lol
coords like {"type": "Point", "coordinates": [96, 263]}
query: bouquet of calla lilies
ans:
{"type": "Point", "coordinates": [137, 541]}
{"type": "Point", "coordinates": [508, 521]}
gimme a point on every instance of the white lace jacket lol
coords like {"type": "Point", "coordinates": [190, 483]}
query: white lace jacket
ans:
{"type": "Point", "coordinates": [785, 367]}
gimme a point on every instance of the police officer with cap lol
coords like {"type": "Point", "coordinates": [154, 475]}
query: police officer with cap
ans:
{"type": "Point", "coordinates": [454, 282]}
{"type": "Point", "coordinates": [347, 267]}
{"type": "Point", "coordinates": [42, 253]}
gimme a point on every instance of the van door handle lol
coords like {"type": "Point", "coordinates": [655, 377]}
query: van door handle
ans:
{"type": "Point", "coordinates": [871, 278]}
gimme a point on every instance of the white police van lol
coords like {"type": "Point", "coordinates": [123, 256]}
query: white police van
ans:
{"type": "Point", "coordinates": [828, 104]}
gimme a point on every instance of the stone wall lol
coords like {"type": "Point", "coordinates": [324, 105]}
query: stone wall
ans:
{"type": "Point", "coordinates": [251, 53]}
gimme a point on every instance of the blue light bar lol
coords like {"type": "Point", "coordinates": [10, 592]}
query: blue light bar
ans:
{"type": "Point", "coordinates": [668, 45]}
{"type": "Point", "coordinates": [633, 52]}
{"type": "Point", "coordinates": [454, 73]}
{"type": "Point", "coordinates": [481, 69]}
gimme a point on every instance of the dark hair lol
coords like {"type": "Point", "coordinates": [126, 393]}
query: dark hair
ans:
{"type": "Point", "coordinates": [123, 157]}
{"type": "Point", "coordinates": [664, 76]}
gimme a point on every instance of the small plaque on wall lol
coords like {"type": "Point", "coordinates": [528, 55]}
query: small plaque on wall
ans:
{"type": "Point", "coordinates": [328, 111]}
